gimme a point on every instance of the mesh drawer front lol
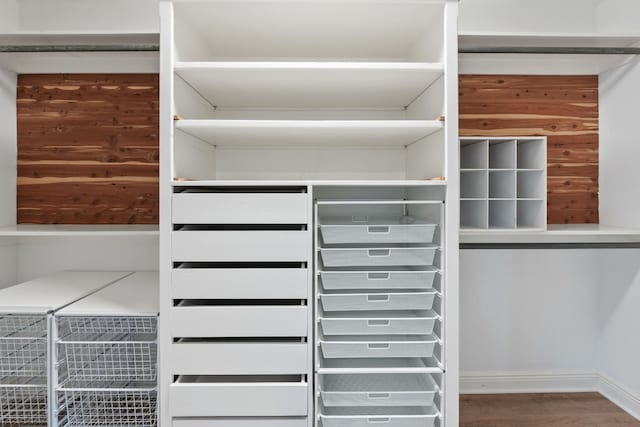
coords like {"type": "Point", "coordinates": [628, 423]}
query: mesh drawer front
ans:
{"type": "Point", "coordinates": [23, 357]}
{"type": "Point", "coordinates": [375, 421]}
{"type": "Point", "coordinates": [111, 407]}
{"type": "Point", "coordinates": [108, 328]}
{"type": "Point", "coordinates": [382, 257]}
{"type": "Point", "coordinates": [335, 280]}
{"type": "Point", "coordinates": [23, 405]}
{"type": "Point", "coordinates": [375, 302]}
{"type": "Point", "coordinates": [16, 325]}
{"type": "Point", "coordinates": [127, 361]}
{"type": "Point", "coordinates": [378, 326]}
{"type": "Point", "coordinates": [382, 233]}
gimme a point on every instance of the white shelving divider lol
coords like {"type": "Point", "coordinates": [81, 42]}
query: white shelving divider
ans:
{"type": "Point", "coordinates": [503, 183]}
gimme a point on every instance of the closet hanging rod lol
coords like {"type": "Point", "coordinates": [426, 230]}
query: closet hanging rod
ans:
{"type": "Point", "coordinates": [554, 50]}
{"type": "Point", "coordinates": [79, 48]}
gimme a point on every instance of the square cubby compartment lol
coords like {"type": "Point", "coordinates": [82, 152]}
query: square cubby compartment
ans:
{"type": "Point", "coordinates": [474, 154]}
{"type": "Point", "coordinates": [502, 184]}
{"type": "Point", "coordinates": [473, 214]}
{"type": "Point", "coordinates": [502, 154]}
{"type": "Point", "coordinates": [502, 214]}
{"type": "Point", "coordinates": [531, 185]}
{"type": "Point", "coordinates": [473, 184]}
{"type": "Point", "coordinates": [532, 153]}
{"type": "Point", "coordinates": [532, 214]}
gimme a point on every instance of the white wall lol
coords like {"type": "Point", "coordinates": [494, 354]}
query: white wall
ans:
{"type": "Point", "coordinates": [528, 15]}
{"type": "Point", "coordinates": [619, 16]}
{"type": "Point", "coordinates": [7, 174]}
{"type": "Point", "coordinates": [528, 311]}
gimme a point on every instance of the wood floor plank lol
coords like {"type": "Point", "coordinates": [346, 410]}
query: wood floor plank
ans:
{"type": "Point", "coordinates": [542, 409]}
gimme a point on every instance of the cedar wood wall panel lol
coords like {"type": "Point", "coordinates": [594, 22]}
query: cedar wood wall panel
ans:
{"type": "Point", "coordinates": [88, 148]}
{"type": "Point", "coordinates": [563, 108]}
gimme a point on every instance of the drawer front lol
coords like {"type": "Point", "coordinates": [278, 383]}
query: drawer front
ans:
{"type": "Point", "coordinates": [241, 422]}
{"type": "Point", "coordinates": [395, 398]}
{"type": "Point", "coordinates": [387, 257]}
{"type": "Point", "coordinates": [238, 358]}
{"type": "Point", "coordinates": [335, 280]}
{"type": "Point", "coordinates": [240, 246]}
{"type": "Point", "coordinates": [344, 234]}
{"type": "Point", "coordinates": [233, 283]}
{"type": "Point", "coordinates": [239, 321]}
{"type": "Point", "coordinates": [378, 326]}
{"type": "Point", "coordinates": [232, 400]}
{"type": "Point", "coordinates": [378, 420]}
{"type": "Point", "coordinates": [375, 302]}
{"type": "Point", "coordinates": [240, 208]}
{"type": "Point", "coordinates": [356, 350]}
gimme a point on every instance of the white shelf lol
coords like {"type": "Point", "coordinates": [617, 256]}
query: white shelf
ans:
{"type": "Point", "coordinates": [336, 183]}
{"type": "Point", "coordinates": [300, 133]}
{"type": "Point", "coordinates": [309, 84]}
{"type": "Point", "coordinates": [577, 233]}
{"type": "Point", "coordinates": [510, 39]}
{"type": "Point", "coordinates": [54, 230]}
{"type": "Point", "coordinates": [46, 294]}
{"type": "Point", "coordinates": [136, 294]}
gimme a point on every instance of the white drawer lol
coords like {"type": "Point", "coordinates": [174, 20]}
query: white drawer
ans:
{"type": "Point", "coordinates": [239, 321]}
{"type": "Point", "coordinates": [335, 280]}
{"type": "Point", "coordinates": [240, 245]}
{"type": "Point", "coordinates": [378, 301]}
{"type": "Point", "coordinates": [240, 208]}
{"type": "Point", "coordinates": [377, 420]}
{"type": "Point", "coordinates": [376, 230]}
{"type": "Point", "coordinates": [377, 389]}
{"type": "Point", "coordinates": [378, 326]}
{"type": "Point", "coordinates": [379, 257]}
{"type": "Point", "coordinates": [239, 283]}
{"type": "Point", "coordinates": [202, 358]}
{"type": "Point", "coordinates": [238, 399]}
{"type": "Point", "coordinates": [241, 422]}
{"type": "Point", "coordinates": [377, 349]}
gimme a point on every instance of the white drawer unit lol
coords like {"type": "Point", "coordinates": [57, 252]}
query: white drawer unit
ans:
{"type": "Point", "coordinates": [378, 301]}
{"type": "Point", "coordinates": [365, 229]}
{"type": "Point", "coordinates": [350, 390]}
{"type": "Point", "coordinates": [255, 245]}
{"type": "Point", "coordinates": [336, 280]}
{"type": "Point", "coordinates": [378, 257]}
{"type": "Point", "coordinates": [239, 321]}
{"type": "Point", "coordinates": [240, 208]}
{"type": "Point", "coordinates": [238, 397]}
{"type": "Point", "coordinates": [239, 358]}
{"type": "Point", "coordinates": [239, 283]}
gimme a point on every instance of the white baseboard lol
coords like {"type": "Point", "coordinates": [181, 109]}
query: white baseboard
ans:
{"type": "Point", "coordinates": [528, 382]}
{"type": "Point", "coordinates": [620, 395]}
{"type": "Point", "coordinates": [551, 382]}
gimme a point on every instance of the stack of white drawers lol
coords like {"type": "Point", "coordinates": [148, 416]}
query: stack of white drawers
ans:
{"type": "Point", "coordinates": [379, 315]}
{"type": "Point", "coordinates": [240, 319]}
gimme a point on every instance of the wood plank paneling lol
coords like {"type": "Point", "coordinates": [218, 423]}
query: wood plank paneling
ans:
{"type": "Point", "coordinates": [88, 148]}
{"type": "Point", "coordinates": [562, 108]}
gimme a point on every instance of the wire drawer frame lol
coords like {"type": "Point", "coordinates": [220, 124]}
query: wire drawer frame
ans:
{"type": "Point", "coordinates": [23, 404]}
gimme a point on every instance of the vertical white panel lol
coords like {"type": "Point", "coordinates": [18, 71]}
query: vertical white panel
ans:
{"type": "Point", "coordinates": [8, 148]}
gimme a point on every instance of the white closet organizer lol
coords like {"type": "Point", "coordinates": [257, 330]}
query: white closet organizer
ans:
{"type": "Point", "coordinates": [106, 356]}
{"type": "Point", "coordinates": [26, 317]}
{"type": "Point", "coordinates": [503, 183]}
{"type": "Point", "coordinates": [269, 105]}
{"type": "Point", "coordinates": [379, 312]}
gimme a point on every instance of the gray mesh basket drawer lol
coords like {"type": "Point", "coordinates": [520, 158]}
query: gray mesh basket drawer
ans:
{"type": "Point", "coordinates": [380, 257]}
{"type": "Point", "coordinates": [344, 390]}
{"type": "Point", "coordinates": [334, 280]}
{"type": "Point", "coordinates": [376, 230]}
{"type": "Point", "coordinates": [376, 349]}
{"type": "Point", "coordinates": [374, 302]}
{"type": "Point", "coordinates": [379, 416]}
{"type": "Point", "coordinates": [378, 326]}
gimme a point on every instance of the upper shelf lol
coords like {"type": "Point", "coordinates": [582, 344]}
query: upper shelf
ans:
{"type": "Point", "coordinates": [300, 133]}
{"type": "Point", "coordinates": [309, 84]}
{"type": "Point", "coordinates": [60, 230]}
{"type": "Point", "coordinates": [310, 30]}
{"type": "Point", "coordinates": [527, 63]}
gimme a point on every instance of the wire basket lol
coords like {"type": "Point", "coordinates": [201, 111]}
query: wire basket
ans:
{"type": "Point", "coordinates": [108, 328]}
{"type": "Point", "coordinates": [104, 361]}
{"type": "Point", "coordinates": [23, 405]}
{"type": "Point", "coordinates": [110, 407]}
{"type": "Point", "coordinates": [18, 325]}
{"type": "Point", "coordinates": [23, 357]}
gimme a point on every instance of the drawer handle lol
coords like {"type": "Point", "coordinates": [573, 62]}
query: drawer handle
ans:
{"type": "Point", "coordinates": [378, 229]}
{"type": "Point", "coordinates": [379, 395]}
{"type": "Point", "coordinates": [378, 276]}
{"type": "Point", "coordinates": [378, 420]}
{"type": "Point", "coordinates": [378, 346]}
{"type": "Point", "coordinates": [378, 298]}
{"type": "Point", "coordinates": [376, 322]}
{"type": "Point", "coordinates": [379, 252]}
{"type": "Point", "coordinates": [359, 218]}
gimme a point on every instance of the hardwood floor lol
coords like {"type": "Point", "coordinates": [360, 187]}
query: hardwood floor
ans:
{"type": "Point", "coordinates": [537, 410]}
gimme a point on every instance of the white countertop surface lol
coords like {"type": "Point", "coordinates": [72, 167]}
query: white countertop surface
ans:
{"type": "Point", "coordinates": [570, 233]}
